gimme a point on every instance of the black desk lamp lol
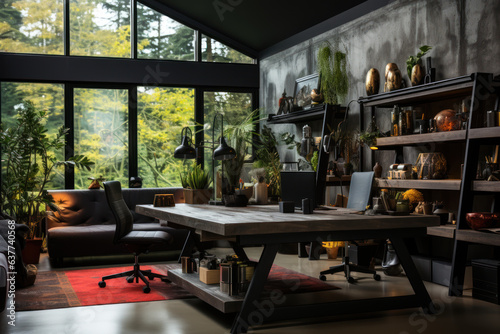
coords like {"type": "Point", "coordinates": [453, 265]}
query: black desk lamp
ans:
{"type": "Point", "coordinates": [222, 152]}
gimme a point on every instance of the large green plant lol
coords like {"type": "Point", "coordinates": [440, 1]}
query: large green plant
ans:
{"type": "Point", "coordinates": [195, 178]}
{"type": "Point", "coordinates": [29, 161]}
{"type": "Point", "coordinates": [267, 157]}
{"type": "Point", "coordinates": [240, 138]}
{"type": "Point", "coordinates": [332, 70]}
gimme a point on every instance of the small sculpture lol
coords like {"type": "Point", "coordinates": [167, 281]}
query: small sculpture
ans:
{"type": "Point", "coordinates": [95, 184]}
{"type": "Point", "coordinates": [372, 83]}
{"type": "Point", "coordinates": [393, 77]}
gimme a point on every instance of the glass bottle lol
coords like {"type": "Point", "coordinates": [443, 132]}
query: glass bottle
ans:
{"type": "Point", "coordinates": [394, 121]}
{"type": "Point", "coordinates": [402, 123]}
{"type": "Point", "coordinates": [409, 120]}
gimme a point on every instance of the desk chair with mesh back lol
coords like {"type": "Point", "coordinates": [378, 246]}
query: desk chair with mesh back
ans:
{"type": "Point", "coordinates": [359, 196]}
{"type": "Point", "coordinates": [136, 242]}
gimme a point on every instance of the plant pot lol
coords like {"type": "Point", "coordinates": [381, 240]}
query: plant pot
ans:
{"type": "Point", "coordinates": [332, 252]}
{"type": "Point", "coordinates": [31, 252]}
{"type": "Point", "coordinates": [197, 196]}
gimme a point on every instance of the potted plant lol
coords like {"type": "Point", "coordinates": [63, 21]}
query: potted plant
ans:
{"type": "Point", "coordinates": [240, 137]}
{"type": "Point", "coordinates": [332, 70]}
{"type": "Point", "coordinates": [370, 135]}
{"type": "Point", "coordinates": [414, 68]}
{"type": "Point", "coordinates": [196, 182]}
{"type": "Point", "coordinates": [29, 162]}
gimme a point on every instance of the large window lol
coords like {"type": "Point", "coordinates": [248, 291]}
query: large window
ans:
{"type": "Point", "coordinates": [101, 133]}
{"type": "Point", "coordinates": [160, 37]}
{"type": "Point", "coordinates": [214, 51]}
{"type": "Point", "coordinates": [31, 26]}
{"type": "Point", "coordinates": [100, 28]}
{"type": "Point", "coordinates": [49, 97]}
{"type": "Point", "coordinates": [235, 108]}
{"type": "Point", "coordinates": [161, 115]}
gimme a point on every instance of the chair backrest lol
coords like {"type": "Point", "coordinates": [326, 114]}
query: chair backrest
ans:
{"type": "Point", "coordinates": [123, 216]}
{"type": "Point", "coordinates": [359, 190]}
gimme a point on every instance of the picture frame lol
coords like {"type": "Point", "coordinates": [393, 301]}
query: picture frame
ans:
{"type": "Point", "coordinates": [302, 92]}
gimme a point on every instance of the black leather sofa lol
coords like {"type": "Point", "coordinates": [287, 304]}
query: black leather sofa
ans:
{"type": "Point", "coordinates": [85, 226]}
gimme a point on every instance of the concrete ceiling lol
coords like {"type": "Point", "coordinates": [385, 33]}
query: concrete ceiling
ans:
{"type": "Point", "coordinates": [260, 24]}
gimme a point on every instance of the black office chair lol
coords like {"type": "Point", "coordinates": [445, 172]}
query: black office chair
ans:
{"type": "Point", "coordinates": [359, 196]}
{"type": "Point", "coordinates": [137, 242]}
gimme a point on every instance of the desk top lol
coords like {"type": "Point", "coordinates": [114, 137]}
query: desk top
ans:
{"type": "Point", "coordinates": [266, 219]}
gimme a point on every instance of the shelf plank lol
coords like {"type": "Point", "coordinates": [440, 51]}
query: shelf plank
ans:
{"type": "Point", "coordinates": [334, 180]}
{"type": "Point", "coordinates": [210, 294]}
{"type": "Point", "coordinates": [444, 231]}
{"type": "Point", "coordinates": [419, 94]}
{"type": "Point", "coordinates": [421, 139]}
{"type": "Point", "coordinates": [480, 237]}
{"type": "Point", "coordinates": [485, 133]}
{"type": "Point", "coordinates": [488, 186]}
{"type": "Point", "coordinates": [450, 184]}
{"type": "Point", "coordinates": [314, 113]}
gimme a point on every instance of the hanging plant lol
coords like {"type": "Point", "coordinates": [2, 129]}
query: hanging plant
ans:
{"type": "Point", "coordinates": [332, 70]}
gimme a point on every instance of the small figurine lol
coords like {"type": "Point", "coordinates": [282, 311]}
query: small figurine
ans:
{"type": "Point", "coordinates": [95, 184]}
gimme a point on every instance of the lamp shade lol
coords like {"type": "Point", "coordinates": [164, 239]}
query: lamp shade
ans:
{"type": "Point", "coordinates": [185, 151]}
{"type": "Point", "coordinates": [224, 151]}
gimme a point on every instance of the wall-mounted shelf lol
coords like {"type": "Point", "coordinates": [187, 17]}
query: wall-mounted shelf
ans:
{"type": "Point", "coordinates": [434, 91]}
{"type": "Point", "coordinates": [344, 180]}
{"type": "Point", "coordinates": [444, 231]}
{"type": "Point", "coordinates": [421, 139]}
{"type": "Point", "coordinates": [485, 133]}
{"type": "Point", "coordinates": [311, 114]}
{"type": "Point", "coordinates": [480, 237]}
{"type": "Point", "coordinates": [487, 186]}
{"type": "Point", "coordinates": [449, 184]}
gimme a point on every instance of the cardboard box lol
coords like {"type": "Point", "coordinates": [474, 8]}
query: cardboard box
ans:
{"type": "Point", "coordinates": [209, 276]}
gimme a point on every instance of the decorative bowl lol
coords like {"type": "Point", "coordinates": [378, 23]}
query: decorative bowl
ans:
{"type": "Point", "coordinates": [477, 220]}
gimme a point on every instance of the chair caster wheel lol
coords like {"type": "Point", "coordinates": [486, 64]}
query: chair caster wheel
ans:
{"type": "Point", "coordinates": [102, 284]}
{"type": "Point", "coordinates": [151, 278]}
{"type": "Point", "coordinates": [322, 277]}
{"type": "Point", "coordinates": [376, 277]}
{"type": "Point", "coordinates": [350, 280]}
{"type": "Point", "coordinates": [146, 289]}
{"type": "Point", "coordinates": [130, 279]}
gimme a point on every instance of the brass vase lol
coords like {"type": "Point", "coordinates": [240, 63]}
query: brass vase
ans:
{"type": "Point", "coordinates": [417, 75]}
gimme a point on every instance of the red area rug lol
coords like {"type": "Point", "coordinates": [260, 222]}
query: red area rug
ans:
{"type": "Point", "coordinates": [60, 289]}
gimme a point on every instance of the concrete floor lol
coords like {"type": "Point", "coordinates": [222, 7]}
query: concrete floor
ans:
{"type": "Point", "coordinates": [455, 315]}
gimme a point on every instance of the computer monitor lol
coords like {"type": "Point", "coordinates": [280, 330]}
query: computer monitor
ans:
{"type": "Point", "coordinates": [295, 186]}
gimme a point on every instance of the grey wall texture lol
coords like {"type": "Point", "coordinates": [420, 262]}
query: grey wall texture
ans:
{"type": "Point", "coordinates": [464, 34]}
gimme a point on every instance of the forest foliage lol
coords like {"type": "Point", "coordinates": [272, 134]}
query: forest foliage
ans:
{"type": "Point", "coordinates": [101, 28]}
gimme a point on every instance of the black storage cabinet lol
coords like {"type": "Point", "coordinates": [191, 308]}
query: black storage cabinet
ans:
{"type": "Point", "coordinates": [486, 279]}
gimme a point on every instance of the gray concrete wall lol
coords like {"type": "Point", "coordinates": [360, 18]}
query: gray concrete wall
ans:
{"type": "Point", "coordinates": [465, 35]}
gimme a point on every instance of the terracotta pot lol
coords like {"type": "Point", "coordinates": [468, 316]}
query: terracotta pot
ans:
{"type": "Point", "coordinates": [477, 220]}
{"type": "Point", "coordinates": [31, 252]}
{"type": "Point", "coordinates": [332, 252]}
{"type": "Point", "coordinates": [197, 196]}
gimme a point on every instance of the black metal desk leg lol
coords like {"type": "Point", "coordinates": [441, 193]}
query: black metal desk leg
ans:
{"type": "Point", "coordinates": [413, 275]}
{"type": "Point", "coordinates": [238, 250]}
{"type": "Point", "coordinates": [192, 241]}
{"type": "Point", "coordinates": [250, 314]}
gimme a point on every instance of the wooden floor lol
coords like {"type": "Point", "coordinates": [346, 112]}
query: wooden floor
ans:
{"type": "Point", "coordinates": [455, 315]}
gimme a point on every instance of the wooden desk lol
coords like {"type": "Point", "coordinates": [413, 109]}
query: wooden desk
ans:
{"type": "Point", "coordinates": [265, 225]}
